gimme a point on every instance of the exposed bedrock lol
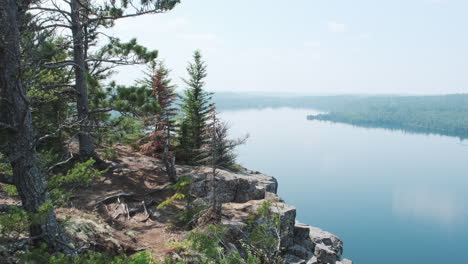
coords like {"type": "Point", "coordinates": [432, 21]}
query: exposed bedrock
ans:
{"type": "Point", "coordinates": [243, 192]}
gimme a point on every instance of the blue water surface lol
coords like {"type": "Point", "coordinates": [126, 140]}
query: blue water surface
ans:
{"type": "Point", "coordinates": [393, 197]}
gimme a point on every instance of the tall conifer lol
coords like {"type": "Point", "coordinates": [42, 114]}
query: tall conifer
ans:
{"type": "Point", "coordinates": [195, 109]}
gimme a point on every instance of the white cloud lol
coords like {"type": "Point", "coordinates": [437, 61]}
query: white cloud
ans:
{"type": "Point", "coordinates": [336, 27]}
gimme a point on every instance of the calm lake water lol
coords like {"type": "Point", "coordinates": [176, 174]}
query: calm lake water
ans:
{"type": "Point", "coordinates": [393, 197]}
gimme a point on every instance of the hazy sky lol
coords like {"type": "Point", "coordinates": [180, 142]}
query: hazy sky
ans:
{"type": "Point", "coordinates": [313, 46]}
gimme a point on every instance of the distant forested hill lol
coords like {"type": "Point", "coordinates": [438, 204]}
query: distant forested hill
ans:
{"type": "Point", "coordinates": [441, 114]}
{"type": "Point", "coordinates": [234, 101]}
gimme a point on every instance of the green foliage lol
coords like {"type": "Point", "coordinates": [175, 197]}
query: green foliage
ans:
{"type": "Point", "coordinates": [109, 153]}
{"type": "Point", "coordinates": [125, 130]}
{"type": "Point", "coordinates": [13, 223]}
{"type": "Point", "coordinates": [62, 186]}
{"type": "Point", "coordinates": [205, 246]}
{"type": "Point", "coordinates": [187, 218]}
{"type": "Point", "coordinates": [162, 124]}
{"type": "Point", "coordinates": [181, 189]}
{"type": "Point", "coordinates": [264, 233]}
{"type": "Point", "coordinates": [129, 49]}
{"type": "Point", "coordinates": [47, 158]}
{"type": "Point", "coordinates": [41, 255]}
{"type": "Point", "coordinates": [10, 190]}
{"type": "Point", "coordinates": [136, 101]}
{"type": "Point", "coordinates": [195, 108]}
{"type": "Point", "coordinates": [261, 245]}
{"type": "Point", "coordinates": [5, 167]}
{"type": "Point", "coordinates": [49, 88]}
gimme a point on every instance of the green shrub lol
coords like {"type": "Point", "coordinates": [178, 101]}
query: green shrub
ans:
{"type": "Point", "coordinates": [61, 186]}
{"type": "Point", "coordinates": [10, 190]}
{"type": "Point", "coordinates": [188, 217]}
{"type": "Point", "coordinates": [181, 189]}
{"type": "Point", "coordinates": [126, 130]}
{"type": "Point", "coordinates": [109, 153]}
{"type": "Point", "coordinates": [13, 223]}
{"type": "Point", "coordinates": [207, 247]}
{"type": "Point", "coordinates": [41, 255]}
{"type": "Point", "coordinates": [264, 234]}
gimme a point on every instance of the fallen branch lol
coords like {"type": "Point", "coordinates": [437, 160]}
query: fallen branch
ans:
{"type": "Point", "coordinates": [114, 197]}
{"type": "Point", "coordinates": [61, 163]}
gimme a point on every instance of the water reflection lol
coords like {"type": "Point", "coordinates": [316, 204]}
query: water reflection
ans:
{"type": "Point", "coordinates": [434, 206]}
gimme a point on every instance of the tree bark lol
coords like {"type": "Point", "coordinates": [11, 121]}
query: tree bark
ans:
{"type": "Point", "coordinates": [86, 140]}
{"type": "Point", "coordinates": [15, 111]}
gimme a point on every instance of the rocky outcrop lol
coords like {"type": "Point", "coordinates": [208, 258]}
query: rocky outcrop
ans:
{"type": "Point", "coordinates": [243, 193]}
{"type": "Point", "coordinates": [233, 187]}
{"type": "Point", "coordinates": [89, 231]}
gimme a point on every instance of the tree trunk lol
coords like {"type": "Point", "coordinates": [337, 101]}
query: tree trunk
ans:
{"type": "Point", "coordinates": [86, 140]}
{"type": "Point", "coordinates": [20, 147]}
{"type": "Point", "coordinates": [169, 160]}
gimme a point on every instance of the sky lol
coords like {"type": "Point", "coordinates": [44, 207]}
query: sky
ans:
{"type": "Point", "coordinates": [312, 46]}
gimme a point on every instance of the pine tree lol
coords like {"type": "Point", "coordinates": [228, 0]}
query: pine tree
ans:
{"type": "Point", "coordinates": [195, 109]}
{"type": "Point", "coordinates": [159, 144]}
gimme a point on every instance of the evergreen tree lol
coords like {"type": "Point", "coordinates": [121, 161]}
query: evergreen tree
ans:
{"type": "Point", "coordinates": [17, 135]}
{"type": "Point", "coordinates": [159, 143]}
{"type": "Point", "coordinates": [86, 21]}
{"type": "Point", "coordinates": [163, 93]}
{"type": "Point", "coordinates": [195, 108]}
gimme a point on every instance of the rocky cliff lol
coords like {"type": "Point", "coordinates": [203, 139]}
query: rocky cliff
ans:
{"type": "Point", "coordinates": [242, 193]}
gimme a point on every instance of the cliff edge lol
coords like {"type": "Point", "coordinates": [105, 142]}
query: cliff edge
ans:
{"type": "Point", "coordinates": [242, 193]}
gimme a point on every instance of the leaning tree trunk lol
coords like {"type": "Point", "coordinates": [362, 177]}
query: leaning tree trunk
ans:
{"type": "Point", "coordinates": [86, 140]}
{"type": "Point", "coordinates": [16, 120]}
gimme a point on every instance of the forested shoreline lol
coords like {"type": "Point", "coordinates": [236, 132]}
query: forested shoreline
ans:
{"type": "Point", "coordinates": [435, 114]}
{"type": "Point", "coordinates": [444, 115]}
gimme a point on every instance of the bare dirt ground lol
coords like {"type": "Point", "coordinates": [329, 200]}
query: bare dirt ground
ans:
{"type": "Point", "coordinates": [122, 207]}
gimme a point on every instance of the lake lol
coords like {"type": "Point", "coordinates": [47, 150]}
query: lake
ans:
{"type": "Point", "coordinates": [393, 197]}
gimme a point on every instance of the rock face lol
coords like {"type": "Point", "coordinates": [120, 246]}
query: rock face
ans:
{"type": "Point", "coordinates": [243, 193]}
{"type": "Point", "coordinates": [233, 187]}
{"type": "Point", "coordinates": [326, 247]}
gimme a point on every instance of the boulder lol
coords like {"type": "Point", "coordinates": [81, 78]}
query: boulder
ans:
{"type": "Point", "coordinates": [291, 259]}
{"type": "Point", "coordinates": [325, 255]}
{"type": "Point", "coordinates": [326, 247]}
{"type": "Point", "coordinates": [88, 231]}
{"type": "Point", "coordinates": [232, 187]}
{"type": "Point", "coordinates": [300, 251]}
{"type": "Point", "coordinates": [287, 214]}
{"type": "Point", "coordinates": [309, 237]}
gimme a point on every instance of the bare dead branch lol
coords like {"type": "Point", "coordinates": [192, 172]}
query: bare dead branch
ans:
{"type": "Point", "coordinates": [61, 163]}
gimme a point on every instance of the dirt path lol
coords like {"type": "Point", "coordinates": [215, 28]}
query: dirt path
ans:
{"type": "Point", "coordinates": [137, 175]}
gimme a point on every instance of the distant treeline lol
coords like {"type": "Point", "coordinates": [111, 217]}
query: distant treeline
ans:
{"type": "Point", "coordinates": [441, 114]}
{"type": "Point", "coordinates": [236, 101]}
{"type": "Point", "coordinates": [444, 115]}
